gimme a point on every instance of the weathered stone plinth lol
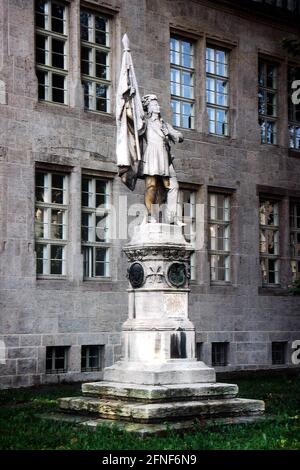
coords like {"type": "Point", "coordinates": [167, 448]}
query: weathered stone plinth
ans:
{"type": "Point", "coordinates": [158, 380]}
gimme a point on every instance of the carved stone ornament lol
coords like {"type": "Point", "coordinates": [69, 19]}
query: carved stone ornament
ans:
{"type": "Point", "coordinates": [136, 275]}
{"type": "Point", "coordinates": [177, 275]}
{"type": "Point", "coordinates": [170, 254]}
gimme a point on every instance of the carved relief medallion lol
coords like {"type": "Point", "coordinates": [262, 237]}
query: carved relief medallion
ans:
{"type": "Point", "coordinates": [136, 275]}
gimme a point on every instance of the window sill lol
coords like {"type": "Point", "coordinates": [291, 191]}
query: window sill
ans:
{"type": "Point", "coordinates": [96, 279]}
{"type": "Point", "coordinates": [56, 372]}
{"type": "Point", "coordinates": [56, 108]}
{"type": "Point", "coordinates": [273, 290]}
{"type": "Point", "coordinates": [294, 153]}
{"type": "Point", "coordinates": [221, 284]}
{"type": "Point", "coordinates": [265, 145]}
{"type": "Point", "coordinates": [98, 115]}
{"type": "Point", "coordinates": [51, 278]}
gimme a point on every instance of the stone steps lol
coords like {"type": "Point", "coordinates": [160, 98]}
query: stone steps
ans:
{"type": "Point", "coordinates": [159, 393]}
{"type": "Point", "coordinates": [158, 412]}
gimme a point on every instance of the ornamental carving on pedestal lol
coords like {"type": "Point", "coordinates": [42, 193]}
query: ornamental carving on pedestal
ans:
{"type": "Point", "coordinates": [155, 275]}
{"type": "Point", "coordinates": [136, 275]}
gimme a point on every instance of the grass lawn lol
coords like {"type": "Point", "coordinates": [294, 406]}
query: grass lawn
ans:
{"type": "Point", "coordinates": [20, 428]}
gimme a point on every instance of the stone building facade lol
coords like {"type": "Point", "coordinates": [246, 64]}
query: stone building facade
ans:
{"type": "Point", "coordinates": [62, 282]}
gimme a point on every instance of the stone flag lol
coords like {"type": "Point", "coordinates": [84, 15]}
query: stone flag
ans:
{"type": "Point", "coordinates": [130, 120]}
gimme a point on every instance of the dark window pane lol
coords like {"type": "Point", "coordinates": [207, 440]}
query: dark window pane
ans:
{"type": "Point", "coordinates": [101, 105]}
{"type": "Point", "coordinates": [100, 254]}
{"type": "Point", "coordinates": [85, 53]}
{"type": "Point", "coordinates": [56, 252]}
{"type": "Point", "coordinates": [58, 46]}
{"type": "Point", "coordinates": [41, 76]}
{"type": "Point", "coordinates": [85, 184]}
{"type": "Point", "coordinates": [58, 95]}
{"type": "Point", "coordinates": [100, 200]}
{"type": "Point", "coordinates": [58, 81]}
{"type": "Point", "coordinates": [85, 199]}
{"type": "Point", "coordinates": [271, 76]}
{"type": "Point", "coordinates": [58, 88]}
{"type": "Point", "coordinates": [57, 18]}
{"type": "Point", "coordinates": [84, 18]}
{"type": "Point", "coordinates": [58, 61]}
{"type": "Point", "coordinates": [40, 49]}
{"type": "Point", "coordinates": [100, 23]}
{"type": "Point", "coordinates": [40, 6]}
{"type": "Point", "coordinates": [101, 187]}
{"type": "Point", "coordinates": [39, 266]}
{"type": "Point", "coordinates": [40, 13]}
{"type": "Point", "coordinates": [100, 37]}
{"type": "Point", "coordinates": [39, 178]}
{"type": "Point", "coordinates": [101, 71]}
{"type": "Point", "coordinates": [56, 267]}
{"type": "Point", "coordinates": [84, 33]}
{"type": "Point", "coordinates": [83, 357]}
{"type": "Point", "coordinates": [57, 53]}
{"type": "Point", "coordinates": [57, 25]}
{"type": "Point", "coordinates": [100, 269]}
{"type": "Point", "coordinates": [40, 21]}
{"type": "Point", "coordinates": [57, 196]}
{"type": "Point", "coordinates": [59, 363]}
{"type": "Point", "coordinates": [101, 90]}
{"type": "Point", "coordinates": [85, 67]}
{"type": "Point", "coordinates": [57, 10]}
{"type": "Point", "coordinates": [101, 57]}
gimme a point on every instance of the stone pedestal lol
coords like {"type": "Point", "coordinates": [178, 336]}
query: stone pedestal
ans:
{"type": "Point", "coordinates": [158, 337]}
{"type": "Point", "coordinates": [158, 378]}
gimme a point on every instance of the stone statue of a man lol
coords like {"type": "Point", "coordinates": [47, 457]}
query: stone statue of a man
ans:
{"type": "Point", "coordinates": [144, 144]}
{"type": "Point", "coordinates": [161, 184]}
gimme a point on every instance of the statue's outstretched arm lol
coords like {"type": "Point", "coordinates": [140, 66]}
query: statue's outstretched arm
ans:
{"type": "Point", "coordinates": [174, 135]}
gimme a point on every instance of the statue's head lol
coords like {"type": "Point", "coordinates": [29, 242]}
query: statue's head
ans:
{"type": "Point", "coordinates": [150, 104]}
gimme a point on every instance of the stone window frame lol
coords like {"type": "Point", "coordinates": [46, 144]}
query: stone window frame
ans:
{"type": "Point", "coordinates": [217, 77]}
{"type": "Point", "coordinates": [227, 225]}
{"type": "Point", "coordinates": [279, 356]}
{"type": "Point", "coordinates": [294, 235]}
{"type": "Point", "coordinates": [93, 214]}
{"type": "Point", "coordinates": [220, 353]}
{"type": "Point", "coordinates": [264, 117]}
{"type": "Point", "coordinates": [46, 208]}
{"type": "Point", "coordinates": [86, 356]}
{"type": "Point", "coordinates": [48, 68]}
{"type": "Point", "coordinates": [293, 120]}
{"type": "Point", "coordinates": [267, 256]}
{"type": "Point", "coordinates": [94, 48]}
{"type": "Point", "coordinates": [179, 98]}
{"type": "Point", "coordinates": [53, 357]}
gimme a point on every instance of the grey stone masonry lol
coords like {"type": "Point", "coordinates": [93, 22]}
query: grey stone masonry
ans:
{"type": "Point", "coordinates": [40, 312]}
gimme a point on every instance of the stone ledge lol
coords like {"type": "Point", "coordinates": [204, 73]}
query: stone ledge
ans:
{"type": "Point", "coordinates": [170, 372]}
{"type": "Point", "coordinates": [144, 430]}
{"type": "Point", "coordinates": [150, 393]}
{"type": "Point", "coordinates": [157, 412]}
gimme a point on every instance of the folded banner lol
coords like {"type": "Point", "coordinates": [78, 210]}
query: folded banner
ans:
{"type": "Point", "coordinates": [130, 120]}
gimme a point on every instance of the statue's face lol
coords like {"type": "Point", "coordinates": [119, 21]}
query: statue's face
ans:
{"type": "Point", "coordinates": [153, 107]}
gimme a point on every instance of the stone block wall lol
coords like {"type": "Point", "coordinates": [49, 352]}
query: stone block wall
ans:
{"type": "Point", "coordinates": [36, 313]}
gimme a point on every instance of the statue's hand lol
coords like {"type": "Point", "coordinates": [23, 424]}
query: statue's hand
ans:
{"type": "Point", "coordinates": [129, 110]}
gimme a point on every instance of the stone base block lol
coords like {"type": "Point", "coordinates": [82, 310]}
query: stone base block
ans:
{"type": "Point", "coordinates": [144, 430]}
{"type": "Point", "coordinates": [159, 412]}
{"type": "Point", "coordinates": [170, 372]}
{"type": "Point", "coordinates": [159, 393]}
